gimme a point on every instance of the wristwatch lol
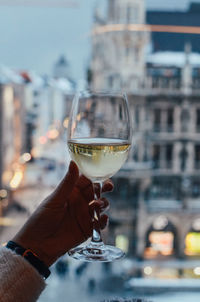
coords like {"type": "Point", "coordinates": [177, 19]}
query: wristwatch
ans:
{"type": "Point", "coordinates": [31, 257]}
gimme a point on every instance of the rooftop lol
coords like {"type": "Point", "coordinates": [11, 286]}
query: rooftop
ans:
{"type": "Point", "coordinates": [173, 58]}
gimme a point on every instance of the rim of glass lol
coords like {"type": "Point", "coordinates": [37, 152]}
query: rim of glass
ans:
{"type": "Point", "coordinates": [89, 92]}
{"type": "Point", "coordinates": [114, 93]}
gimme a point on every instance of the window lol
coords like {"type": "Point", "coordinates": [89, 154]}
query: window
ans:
{"type": "Point", "coordinates": [132, 14]}
{"type": "Point", "coordinates": [135, 154]}
{"type": "Point", "coordinates": [197, 157]}
{"type": "Point", "coordinates": [155, 82]}
{"type": "Point", "coordinates": [170, 120]}
{"type": "Point", "coordinates": [157, 120]}
{"type": "Point", "coordinates": [127, 52]}
{"type": "Point", "coordinates": [198, 120]}
{"type": "Point", "coordinates": [159, 243]}
{"type": "Point", "coordinates": [161, 237]}
{"type": "Point", "coordinates": [125, 192]}
{"type": "Point", "coordinates": [110, 81]}
{"type": "Point", "coordinates": [185, 119]}
{"type": "Point", "coordinates": [128, 14]}
{"type": "Point", "coordinates": [137, 54]}
{"type": "Point", "coordinates": [183, 158]}
{"type": "Point", "coordinates": [169, 156]}
{"type": "Point", "coordinates": [156, 156]}
{"type": "Point", "coordinates": [192, 244]}
{"type": "Point", "coordinates": [196, 189]}
{"type": "Point", "coordinates": [121, 188]}
{"type": "Point", "coordinates": [166, 188]}
{"type": "Point", "coordinates": [135, 14]}
{"type": "Point", "coordinates": [164, 82]}
{"type": "Point", "coordinates": [137, 116]}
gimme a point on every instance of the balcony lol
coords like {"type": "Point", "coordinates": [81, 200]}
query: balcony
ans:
{"type": "Point", "coordinates": [161, 204]}
{"type": "Point", "coordinates": [162, 165]}
{"type": "Point", "coordinates": [157, 128]}
{"type": "Point", "coordinates": [170, 128]}
{"type": "Point", "coordinates": [164, 129]}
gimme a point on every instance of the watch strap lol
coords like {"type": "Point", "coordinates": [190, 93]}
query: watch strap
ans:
{"type": "Point", "coordinates": [31, 257]}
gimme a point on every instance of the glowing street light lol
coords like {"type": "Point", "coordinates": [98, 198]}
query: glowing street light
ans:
{"type": "Point", "coordinates": [3, 194]}
{"type": "Point", "coordinates": [16, 180]}
{"type": "Point", "coordinates": [66, 122]}
{"type": "Point", "coordinates": [42, 140]}
{"type": "Point", "coordinates": [53, 133]}
{"type": "Point", "coordinates": [25, 158]}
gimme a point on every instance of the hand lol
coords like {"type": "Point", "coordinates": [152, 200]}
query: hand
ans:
{"type": "Point", "coordinates": [64, 219]}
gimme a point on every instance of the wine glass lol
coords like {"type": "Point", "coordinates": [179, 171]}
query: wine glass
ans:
{"type": "Point", "coordinates": [99, 139]}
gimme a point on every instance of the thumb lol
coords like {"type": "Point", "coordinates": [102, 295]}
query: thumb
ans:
{"type": "Point", "coordinates": [66, 186]}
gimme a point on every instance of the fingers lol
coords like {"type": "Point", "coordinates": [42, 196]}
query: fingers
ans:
{"type": "Point", "coordinates": [107, 187]}
{"type": "Point", "coordinates": [99, 205]}
{"type": "Point", "coordinates": [103, 221]}
{"type": "Point", "coordinates": [67, 184]}
{"type": "Point", "coordinates": [85, 187]}
{"type": "Point", "coordinates": [81, 214]}
{"type": "Point", "coordinates": [84, 215]}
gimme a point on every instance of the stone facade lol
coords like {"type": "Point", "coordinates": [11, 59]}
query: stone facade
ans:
{"type": "Point", "coordinates": [157, 192]}
{"type": "Point", "coordinates": [161, 176]}
{"type": "Point", "coordinates": [118, 60]}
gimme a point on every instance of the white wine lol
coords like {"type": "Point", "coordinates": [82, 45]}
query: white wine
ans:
{"type": "Point", "coordinates": [98, 158]}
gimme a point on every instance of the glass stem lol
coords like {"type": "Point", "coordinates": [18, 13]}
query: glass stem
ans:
{"type": "Point", "coordinates": [96, 235]}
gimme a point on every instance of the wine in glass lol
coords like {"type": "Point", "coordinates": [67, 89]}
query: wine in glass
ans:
{"type": "Point", "coordinates": [99, 139]}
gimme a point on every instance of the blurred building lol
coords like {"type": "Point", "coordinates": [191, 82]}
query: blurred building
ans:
{"type": "Point", "coordinates": [155, 211]}
{"type": "Point", "coordinates": [118, 57]}
{"type": "Point", "coordinates": [190, 17]}
{"type": "Point", "coordinates": [160, 182]}
{"type": "Point", "coordinates": [48, 101]}
{"type": "Point", "coordinates": [61, 70]}
{"type": "Point", "coordinates": [12, 133]}
{"type": "Point", "coordinates": [32, 114]}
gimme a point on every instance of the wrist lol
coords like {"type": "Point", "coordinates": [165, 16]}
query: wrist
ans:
{"type": "Point", "coordinates": [33, 246]}
{"type": "Point", "coordinates": [31, 257]}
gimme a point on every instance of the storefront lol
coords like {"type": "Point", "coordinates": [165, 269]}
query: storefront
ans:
{"type": "Point", "coordinates": [192, 239]}
{"type": "Point", "coordinates": [160, 239]}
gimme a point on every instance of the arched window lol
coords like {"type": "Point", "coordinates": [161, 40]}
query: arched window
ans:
{"type": "Point", "coordinates": [160, 238]}
{"type": "Point", "coordinates": [192, 239]}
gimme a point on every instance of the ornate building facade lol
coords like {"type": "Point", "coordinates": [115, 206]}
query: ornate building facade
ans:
{"type": "Point", "coordinates": [118, 57]}
{"type": "Point", "coordinates": [156, 203]}
{"type": "Point", "coordinates": [161, 177]}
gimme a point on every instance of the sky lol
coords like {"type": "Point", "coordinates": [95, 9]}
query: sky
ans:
{"type": "Point", "coordinates": [33, 38]}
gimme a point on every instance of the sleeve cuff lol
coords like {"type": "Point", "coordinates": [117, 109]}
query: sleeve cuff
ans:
{"type": "Point", "coordinates": [19, 280]}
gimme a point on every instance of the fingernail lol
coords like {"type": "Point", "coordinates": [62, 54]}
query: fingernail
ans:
{"type": "Point", "coordinates": [91, 202]}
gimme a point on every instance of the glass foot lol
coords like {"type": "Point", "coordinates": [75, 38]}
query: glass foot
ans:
{"type": "Point", "coordinates": [96, 252]}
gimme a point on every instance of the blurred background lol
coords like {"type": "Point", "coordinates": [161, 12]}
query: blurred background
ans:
{"type": "Point", "coordinates": [151, 50]}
